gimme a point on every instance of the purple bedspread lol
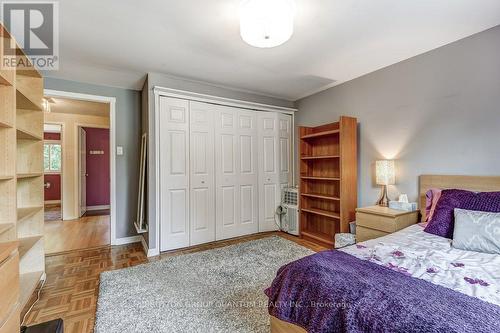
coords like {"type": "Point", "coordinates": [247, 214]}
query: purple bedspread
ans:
{"type": "Point", "coordinates": [332, 291]}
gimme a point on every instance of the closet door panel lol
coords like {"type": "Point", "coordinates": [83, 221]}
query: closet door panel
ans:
{"type": "Point", "coordinates": [271, 193]}
{"type": "Point", "coordinates": [178, 214]}
{"type": "Point", "coordinates": [177, 147]}
{"type": "Point", "coordinates": [200, 216]}
{"type": "Point", "coordinates": [202, 177]}
{"type": "Point", "coordinates": [246, 155]}
{"type": "Point", "coordinates": [174, 173]}
{"type": "Point", "coordinates": [269, 190]}
{"type": "Point", "coordinates": [285, 149]}
{"type": "Point", "coordinates": [226, 187]}
{"type": "Point", "coordinates": [248, 173]}
{"type": "Point", "coordinates": [228, 202]}
{"type": "Point", "coordinates": [228, 149]}
{"type": "Point", "coordinates": [236, 172]}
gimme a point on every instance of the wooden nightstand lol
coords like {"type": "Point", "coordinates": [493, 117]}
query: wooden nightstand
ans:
{"type": "Point", "coordinates": [377, 221]}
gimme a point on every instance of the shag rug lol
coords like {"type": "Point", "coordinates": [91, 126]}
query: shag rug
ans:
{"type": "Point", "coordinates": [219, 290]}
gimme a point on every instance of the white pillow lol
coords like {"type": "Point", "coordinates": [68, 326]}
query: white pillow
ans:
{"type": "Point", "coordinates": [476, 231]}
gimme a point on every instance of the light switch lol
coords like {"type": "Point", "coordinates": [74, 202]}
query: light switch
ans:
{"type": "Point", "coordinates": [119, 150]}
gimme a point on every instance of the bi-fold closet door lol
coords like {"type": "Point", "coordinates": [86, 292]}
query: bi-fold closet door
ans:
{"type": "Point", "coordinates": [274, 144]}
{"type": "Point", "coordinates": [221, 171]}
{"type": "Point", "coordinates": [202, 173]}
{"type": "Point", "coordinates": [187, 176]}
{"type": "Point", "coordinates": [174, 173]}
{"type": "Point", "coordinates": [236, 164]}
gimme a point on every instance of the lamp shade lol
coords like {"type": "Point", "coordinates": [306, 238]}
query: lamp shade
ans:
{"type": "Point", "coordinates": [266, 23]}
{"type": "Point", "coordinates": [385, 172]}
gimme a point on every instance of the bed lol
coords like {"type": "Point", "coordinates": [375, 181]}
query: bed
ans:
{"type": "Point", "coordinates": [386, 283]}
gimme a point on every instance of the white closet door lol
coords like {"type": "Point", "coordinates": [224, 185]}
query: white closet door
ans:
{"type": "Point", "coordinates": [202, 180]}
{"type": "Point", "coordinates": [236, 172]}
{"type": "Point", "coordinates": [269, 170]}
{"type": "Point", "coordinates": [285, 149]}
{"type": "Point", "coordinates": [174, 173]}
{"type": "Point", "coordinates": [248, 168]}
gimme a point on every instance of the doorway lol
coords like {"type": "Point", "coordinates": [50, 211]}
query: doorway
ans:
{"type": "Point", "coordinates": [93, 169]}
{"type": "Point", "coordinates": [52, 165]}
{"type": "Point", "coordinates": [87, 172]}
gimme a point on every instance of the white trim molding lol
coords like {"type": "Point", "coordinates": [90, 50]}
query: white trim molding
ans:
{"type": "Point", "coordinates": [192, 96]}
{"type": "Point", "coordinates": [149, 252]}
{"type": "Point", "coordinates": [128, 240]}
{"type": "Point", "coordinates": [112, 134]}
{"type": "Point", "coordinates": [101, 207]}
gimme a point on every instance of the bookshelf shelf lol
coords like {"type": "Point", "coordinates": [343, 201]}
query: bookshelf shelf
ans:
{"type": "Point", "coordinates": [320, 196]}
{"type": "Point", "coordinates": [319, 157]}
{"type": "Point", "coordinates": [29, 175]}
{"type": "Point", "coordinates": [320, 178]}
{"type": "Point", "coordinates": [320, 134]}
{"type": "Point", "coordinates": [26, 243]}
{"type": "Point", "coordinates": [27, 212]}
{"type": "Point", "coordinates": [6, 227]}
{"type": "Point", "coordinates": [26, 135]}
{"type": "Point", "coordinates": [319, 237]}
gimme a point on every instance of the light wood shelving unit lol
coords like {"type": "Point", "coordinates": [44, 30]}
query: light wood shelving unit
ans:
{"type": "Point", "coordinates": [21, 176]}
{"type": "Point", "coordinates": [328, 179]}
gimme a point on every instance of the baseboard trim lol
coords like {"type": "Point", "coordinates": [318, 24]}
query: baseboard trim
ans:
{"type": "Point", "coordinates": [52, 202]}
{"type": "Point", "coordinates": [147, 251]}
{"type": "Point", "coordinates": [128, 240]}
{"type": "Point", "coordinates": [101, 207]}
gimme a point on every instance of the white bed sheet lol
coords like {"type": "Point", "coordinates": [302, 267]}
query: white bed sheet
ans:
{"type": "Point", "coordinates": [425, 256]}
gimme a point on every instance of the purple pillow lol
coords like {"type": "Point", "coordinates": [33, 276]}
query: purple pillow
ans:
{"type": "Point", "coordinates": [431, 199]}
{"type": "Point", "coordinates": [443, 219]}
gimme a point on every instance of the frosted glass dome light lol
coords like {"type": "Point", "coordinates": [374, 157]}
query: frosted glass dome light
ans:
{"type": "Point", "coordinates": [266, 23]}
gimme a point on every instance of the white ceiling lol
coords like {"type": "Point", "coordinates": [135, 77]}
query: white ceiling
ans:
{"type": "Point", "coordinates": [115, 42]}
{"type": "Point", "coordinates": [74, 106]}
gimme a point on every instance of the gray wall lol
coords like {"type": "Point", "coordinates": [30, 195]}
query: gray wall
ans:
{"type": "Point", "coordinates": [436, 113]}
{"type": "Point", "coordinates": [128, 125]}
{"type": "Point", "coordinates": [159, 80]}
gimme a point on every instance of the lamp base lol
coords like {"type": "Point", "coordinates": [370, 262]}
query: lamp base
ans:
{"type": "Point", "coordinates": [384, 199]}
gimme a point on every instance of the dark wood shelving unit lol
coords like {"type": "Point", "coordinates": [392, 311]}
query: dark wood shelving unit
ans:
{"type": "Point", "coordinates": [328, 179]}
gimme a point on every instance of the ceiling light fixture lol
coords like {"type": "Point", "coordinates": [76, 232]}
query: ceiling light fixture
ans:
{"type": "Point", "coordinates": [266, 23]}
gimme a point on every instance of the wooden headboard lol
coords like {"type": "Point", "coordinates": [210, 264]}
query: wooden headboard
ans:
{"type": "Point", "coordinates": [471, 183]}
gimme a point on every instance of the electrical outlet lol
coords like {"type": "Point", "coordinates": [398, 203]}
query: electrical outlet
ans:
{"type": "Point", "coordinates": [119, 150]}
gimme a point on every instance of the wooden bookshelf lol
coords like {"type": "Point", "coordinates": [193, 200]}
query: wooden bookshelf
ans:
{"type": "Point", "coordinates": [21, 176]}
{"type": "Point", "coordinates": [328, 179]}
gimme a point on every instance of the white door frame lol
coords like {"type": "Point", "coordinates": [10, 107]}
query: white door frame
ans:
{"type": "Point", "coordinates": [112, 137]}
{"type": "Point", "coordinates": [158, 91]}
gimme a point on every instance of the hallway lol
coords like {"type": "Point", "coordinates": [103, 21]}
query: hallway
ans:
{"type": "Point", "coordinates": [83, 233]}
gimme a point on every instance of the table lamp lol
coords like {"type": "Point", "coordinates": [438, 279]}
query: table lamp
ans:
{"type": "Point", "coordinates": [385, 175]}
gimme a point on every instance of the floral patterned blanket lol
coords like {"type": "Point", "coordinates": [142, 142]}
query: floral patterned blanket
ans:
{"type": "Point", "coordinates": [387, 285]}
{"type": "Point", "coordinates": [421, 255]}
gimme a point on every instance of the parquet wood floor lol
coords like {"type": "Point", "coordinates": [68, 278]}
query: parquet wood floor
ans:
{"type": "Point", "coordinates": [72, 283]}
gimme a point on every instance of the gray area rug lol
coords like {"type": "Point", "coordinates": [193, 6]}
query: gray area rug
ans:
{"type": "Point", "coordinates": [219, 290]}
